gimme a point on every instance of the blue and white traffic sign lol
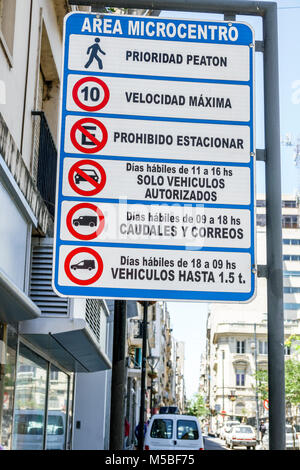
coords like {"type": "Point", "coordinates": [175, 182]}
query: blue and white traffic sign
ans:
{"type": "Point", "coordinates": [155, 185]}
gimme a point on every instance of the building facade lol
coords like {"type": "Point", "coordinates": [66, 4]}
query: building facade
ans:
{"type": "Point", "coordinates": [164, 366]}
{"type": "Point", "coordinates": [237, 342]}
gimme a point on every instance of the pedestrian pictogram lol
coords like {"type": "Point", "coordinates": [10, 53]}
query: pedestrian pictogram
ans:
{"type": "Point", "coordinates": [88, 135]}
{"type": "Point", "coordinates": [90, 94]}
{"type": "Point", "coordinates": [83, 266]}
{"type": "Point", "coordinates": [87, 177]}
{"type": "Point", "coordinates": [85, 221]}
{"type": "Point", "coordinates": [93, 51]}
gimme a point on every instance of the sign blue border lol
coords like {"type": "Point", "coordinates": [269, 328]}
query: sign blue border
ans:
{"type": "Point", "coordinates": [73, 25]}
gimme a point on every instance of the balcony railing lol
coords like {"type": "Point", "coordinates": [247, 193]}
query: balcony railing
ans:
{"type": "Point", "coordinates": [23, 177]}
{"type": "Point", "coordinates": [47, 162]}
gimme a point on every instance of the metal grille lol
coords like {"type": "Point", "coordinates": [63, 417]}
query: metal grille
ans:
{"type": "Point", "coordinates": [41, 291]}
{"type": "Point", "coordinates": [47, 162]}
{"type": "Point", "coordinates": [96, 319]}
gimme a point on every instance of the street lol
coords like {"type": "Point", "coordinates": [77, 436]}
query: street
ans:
{"type": "Point", "coordinates": [214, 443]}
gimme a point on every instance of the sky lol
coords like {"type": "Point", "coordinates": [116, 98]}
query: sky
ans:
{"type": "Point", "coordinates": [188, 320]}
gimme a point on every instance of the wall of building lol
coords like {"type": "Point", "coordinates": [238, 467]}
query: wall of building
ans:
{"type": "Point", "coordinates": [229, 324]}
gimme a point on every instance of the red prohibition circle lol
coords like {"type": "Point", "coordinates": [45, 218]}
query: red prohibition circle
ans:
{"type": "Point", "coordinates": [97, 186]}
{"type": "Point", "coordinates": [78, 126]}
{"type": "Point", "coordinates": [81, 105]}
{"type": "Point", "coordinates": [85, 205]}
{"type": "Point", "coordinates": [266, 404]}
{"type": "Point", "coordinates": [83, 282]}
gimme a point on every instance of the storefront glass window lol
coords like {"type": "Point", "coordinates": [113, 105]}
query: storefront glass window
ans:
{"type": "Point", "coordinates": [30, 401]}
{"type": "Point", "coordinates": [71, 404]}
{"type": "Point", "coordinates": [7, 395]}
{"type": "Point", "coordinates": [57, 409]}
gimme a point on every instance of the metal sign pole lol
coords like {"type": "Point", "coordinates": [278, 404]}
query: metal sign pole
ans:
{"type": "Point", "coordinates": [118, 377]}
{"type": "Point", "coordinates": [143, 379]}
{"type": "Point", "coordinates": [268, 11]}
{"type": "Point", "coordinates": [274, 234]}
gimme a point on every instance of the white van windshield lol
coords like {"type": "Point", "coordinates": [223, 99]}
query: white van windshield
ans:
{"type": "Point", "coordinates": [162, 429]}
{"type": "Point", "coordinates": [187, 429]}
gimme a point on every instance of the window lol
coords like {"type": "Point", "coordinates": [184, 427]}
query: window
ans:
{"type": "Point", "coordinates": [8, 392]}
{"type": "Point", "coordinates": [41, 386]}
{"type": "Point", "coordinates": [261, 220]}
{"type": "Point", "coordinates": [287, 350]}
{"type": "Point", "coordinates": [290, 221]}
{"type": "Point", "coordinates": [289, 204]}
{"type": "Point", "coordinates": [187, 429]}
{"type": "Point", "coordinates": [240, 378]}
{"type": "Point", "coordinates": [291, 290]}
{"type": "Point", "coordinates": [240, 347]}
{"type": "Point", "coordinates": [57, 406]}
{"type": "Point", "coordinates": [7, 25]}
{"type": "Point", "coordinates": [262, 347]}
{"type": "Point", "coordinates": [291, 306]}
{"type": "Point", "coordinates": [291, 257]}
{"type": "Point", "coordinates": [30, 401]}
{"type": "Point", "coordinates": [162, 429]}
{"type": "Point", "coordinates": [260, 203]}
{"type": "Point", "coordinates": [291, 241]}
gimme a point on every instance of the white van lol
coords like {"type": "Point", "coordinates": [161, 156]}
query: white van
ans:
{"type": "Point", "coordinates": [173, 432]}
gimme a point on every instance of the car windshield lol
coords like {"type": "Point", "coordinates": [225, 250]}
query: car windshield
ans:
{"type": "Point", "coordinates": [162, 429]}
{"type": "Point", "coordinates": [187, 429]}
{"type": "Point", "coordinates": [243, 429]}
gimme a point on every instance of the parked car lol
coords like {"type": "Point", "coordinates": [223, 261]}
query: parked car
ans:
{"type": "Point", "coordinates": [173, 432]}
{"type": "Point", "coordinates": [242, 435]}
{"type": "Point", "coordinates": [227, 426]}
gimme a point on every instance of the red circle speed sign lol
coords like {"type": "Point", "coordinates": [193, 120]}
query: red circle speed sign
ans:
{"type": "Point", "coordinates": [87, 81]}
{"type": "Point", "coordinates": [89, 264]}
{"type": "Point", "coordinates": [78, 173]}
{"type": "Point", "coordinates": [100, 220]}
{"type": "Point", "coordinates": [90, 143]}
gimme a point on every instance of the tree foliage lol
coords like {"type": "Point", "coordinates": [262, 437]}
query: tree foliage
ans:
{"type": "Point", "coordinates": [196, 406]}
{"type": "Point", "coordinates": [292, 382]}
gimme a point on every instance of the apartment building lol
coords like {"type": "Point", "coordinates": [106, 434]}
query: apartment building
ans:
{"type": "Point", "coordinates": [236, 342]}
{"type": "Point", "coordinates": [162, 383]}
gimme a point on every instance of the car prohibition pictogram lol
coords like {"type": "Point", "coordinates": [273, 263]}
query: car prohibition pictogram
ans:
{"type": "Point", "coordinates": [89, 142]}
{"type": "Point", "coordinates": [87, 171]}
{"type": "Point", "coordinates": [89, 261]}
{"type": "Point", "coordinates": [91, 92]}
{"type": "Point", "coordinates": [96, 220]}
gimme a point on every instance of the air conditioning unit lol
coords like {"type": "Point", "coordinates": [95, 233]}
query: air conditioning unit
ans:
{"type": "Point", "coordinates": [72, 331]}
